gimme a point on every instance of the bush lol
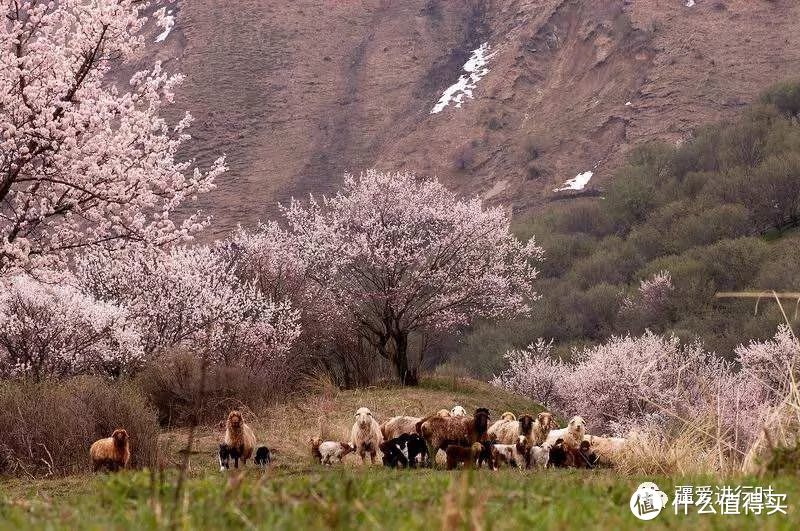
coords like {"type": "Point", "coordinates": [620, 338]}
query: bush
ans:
{"type": "Point", "coordinates": [785, 96]}
{"type": "Point", "coordinates": [173, 385]}
{"type": "Point", "coordinates": [48, 426]}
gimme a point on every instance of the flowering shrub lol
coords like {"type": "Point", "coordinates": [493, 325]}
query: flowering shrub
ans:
{"type": "Point", "coordinates": [56, 331]}
{"type": "Point", "coordinates": [84, 162]}
{"type": "Point", "coordinates": [397, 255]}
{"type": "Point", "coordinates": [653, 382]}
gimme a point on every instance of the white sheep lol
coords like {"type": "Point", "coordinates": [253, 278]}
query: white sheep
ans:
{"type": "Point", "coordinates": [458, 411]}
{"type": "Point", "coordinates": [572, 435]}
{"type": "Point", "coordinates": [540, 456]}
{"type": "Point", "coordinates": [365, 437]}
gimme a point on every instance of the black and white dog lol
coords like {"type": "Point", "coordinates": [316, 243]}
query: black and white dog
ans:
{"type": "Point", "coordinates": [263, 456]}
{"type": "Point", "coordinates": [226, 455]}
{"type": "Point", "coordinates": [407, 451]}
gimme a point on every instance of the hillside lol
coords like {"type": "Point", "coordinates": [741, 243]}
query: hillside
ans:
{"type": "Point", "coordinates": [298, 92]}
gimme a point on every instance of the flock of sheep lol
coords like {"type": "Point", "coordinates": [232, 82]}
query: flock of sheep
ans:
{"type": "Point", "coordinates": [409, 442]}
{"type": "Point", "coordinates": [524, 442]}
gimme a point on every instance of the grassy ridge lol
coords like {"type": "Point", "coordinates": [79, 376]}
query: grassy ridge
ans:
{"type": "Point", "coordinates": [347, 498]}
{"type": "Point", "coordinates": [296, 494]}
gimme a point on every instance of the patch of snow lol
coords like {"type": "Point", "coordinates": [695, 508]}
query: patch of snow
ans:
{"type": "Point", "coordinates": [166, 21]}
{"type": "Point", "coordinates": [628, 104]}
{"type": "Point", "coordinates": [689, 3]}
{"type": "Point", "coordinates": [475, 69]}
{"type": "Point", "coordinates": [578, 183]}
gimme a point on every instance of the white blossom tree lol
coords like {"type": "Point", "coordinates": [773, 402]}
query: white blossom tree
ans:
{"type": "Point", "coordinates": [398, 256]}
{"type": "Point", "coordinates": [191, 297]}
{"type": "Point", "coordinates": [49, 331]}
{"type": "Point", "coordinates": [84, 162]}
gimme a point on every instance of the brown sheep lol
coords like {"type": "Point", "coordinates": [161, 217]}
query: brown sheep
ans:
{"type": "Point", "coordinates": [541, 428]}
{"type": "Point", "coordinates": [508, 429]}
{"type": "Point", "coordinates": [112, 452]}
{"type": "Point", "coordinates": [239, 436]}
{"type": "Point", "coordinates": [468, 455]}
{"type": "Point", "coordinates": [397, 426]}
{"type": "Point", "coordinates": [441, 432]}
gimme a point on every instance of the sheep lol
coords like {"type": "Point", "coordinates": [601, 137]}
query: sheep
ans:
{"type": "Point", "coordinates": [239, 436]}
{"type": "Point", "coordinates": [468, 455]}
{"type": "Point", "coordinates": [225, 456]}
{"type": "Point", "coordinates": [365, 436]}
{"type": "Point", "coordinates": [458, 411]}
{"type": "Point", "coordinates": [397, 426]}
{"type": "Point", "coordinates": [541, 427]}
{"type": "Point", "coordinates": [559, 456]}
{"type": "Point", "coordinates": [508, 429]}
{"type": "Point", "coordinates": [440, 432]}
{"type": "Point", "coordinates": [513, 454]}
{"type": "Point", "coordinates": [444, 413]}
{"type": "Point", "coordinates": [606, 448]}
{"type": "Point", "coordinates": [329, 451]}
{"type": "Point", "coordinates": [112, 452]}
{"type": "Point", "coordinates": [572, 435]}
{"type": "Point", "coordinates": [587, 456]}
{"type": "Point", "coordinates": [540, 456]}
{"type": "Point", "coordinates": [407, 450]}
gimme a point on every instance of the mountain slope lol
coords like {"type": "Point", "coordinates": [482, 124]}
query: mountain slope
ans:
{"type": "Point", "coordinates": [297, 93]}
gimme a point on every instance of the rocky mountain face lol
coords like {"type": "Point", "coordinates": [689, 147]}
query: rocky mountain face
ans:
{"type": "Point", "coordinates": [296, 93]}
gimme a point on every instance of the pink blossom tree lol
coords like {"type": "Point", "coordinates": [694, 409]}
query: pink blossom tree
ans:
{"type": "Point", "coordinates": [51, 331]}
{"type": "Point", "coordinates": [82, 161]}
{"type": "Point", "coordinates": [536, 373]}
{"type": "Point", "coordinates": [398, 256]}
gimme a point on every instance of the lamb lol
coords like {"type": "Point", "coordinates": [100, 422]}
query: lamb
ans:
{"type": "Point", "coordinates": [365, 436]}
{"type": "Point", "coordinates": [329, 451]}
{"type": "Point", "coordinates": [513, 454]}
{"type": "Point", "coordinates": [405, 451]}
{"type": "Point", "coordinates": [263, 456]}
{"type": "Point", "coordinates": [467, 455]}
{"type": "Point", "coordinates": [397, 426]}
{"type": "Point", "coordinates": [112, 452]}
{"type": "Point", "coordinates": [540, 456]}
{"type": "Point", "coordinates": [572, 435]}
{"type": "Point", "coordinates": [226, 455]}
{"type": "Point", "coordinates": [441, 432]}
{"type": "Point", "coordinates": [559, 456]}
{"type": "Point", "coordinates": [239, 436]}
{"type": "Point", "coordinates": [508, 429]}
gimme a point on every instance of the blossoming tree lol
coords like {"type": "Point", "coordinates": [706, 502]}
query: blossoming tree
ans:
{"type": "Point", "coordinates": [399, 256]}
{"type": "Point", "coordinates": [191, 297]}
{"type": "Point", "coordinates": [55, 331]}
{"type": "Point", "coordinates": [84, 162]}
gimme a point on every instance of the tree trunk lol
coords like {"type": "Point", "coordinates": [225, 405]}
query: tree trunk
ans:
{"type": "Point", "coordinates": [408, 375]}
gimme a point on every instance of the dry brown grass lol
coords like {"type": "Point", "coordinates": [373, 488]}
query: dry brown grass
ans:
{"type": "Point", "coordinates": [328, 412]}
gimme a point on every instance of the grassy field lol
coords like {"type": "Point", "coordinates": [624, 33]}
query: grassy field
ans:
{"type": "Point", "coordinates": [294, 493]}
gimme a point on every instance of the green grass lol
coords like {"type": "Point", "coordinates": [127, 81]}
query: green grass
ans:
{"type": "Point", "coordinates": [374, 498]}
